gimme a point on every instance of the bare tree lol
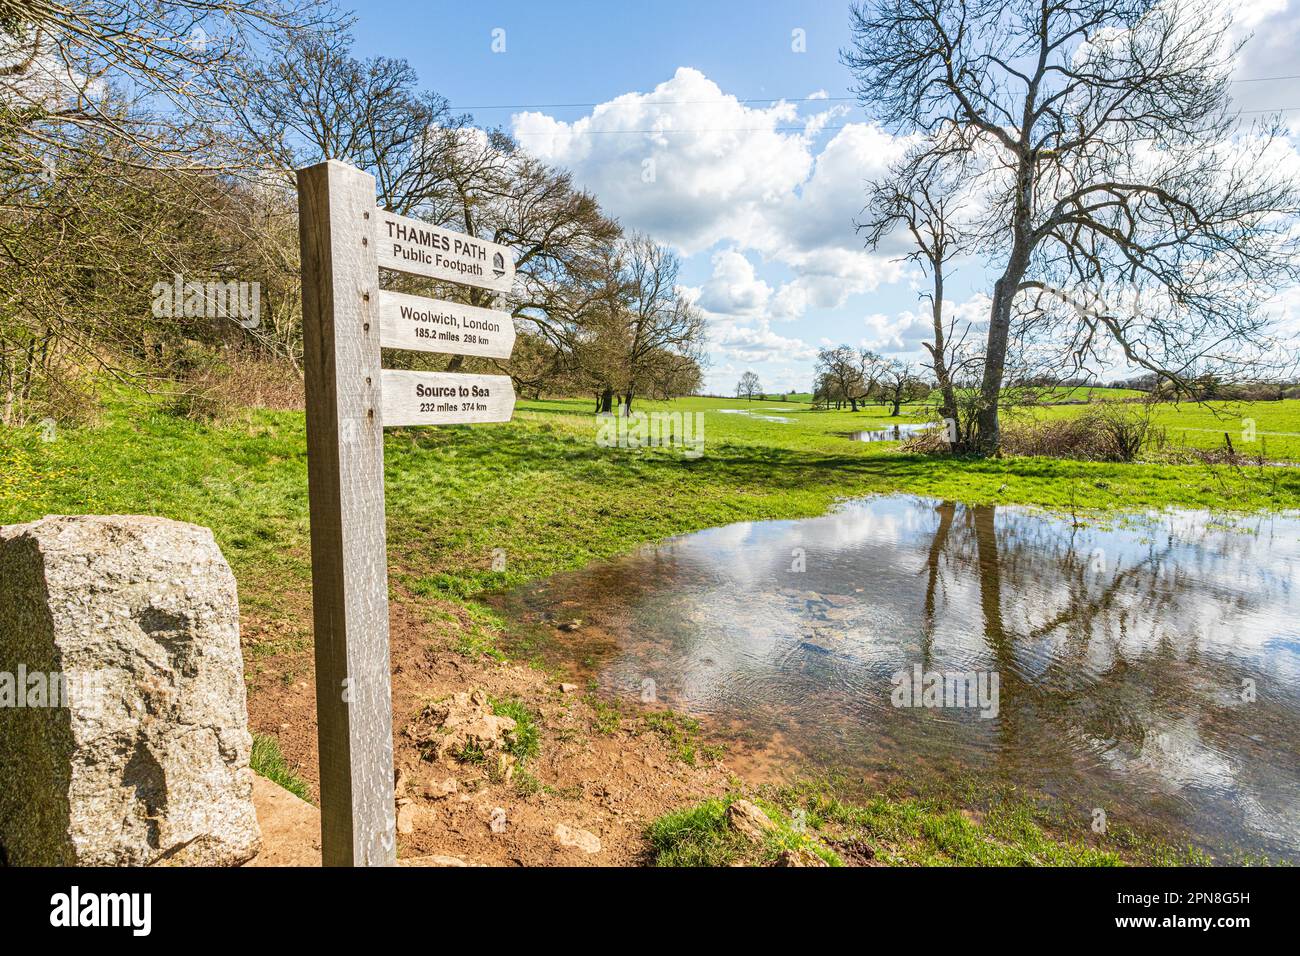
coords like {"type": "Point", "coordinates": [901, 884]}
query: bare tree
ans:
{"type": "Point", "coordinates": [749, 386]}
{"type": "Point", "coordinates": [840, 376]}
{"type": "Point", "coordinates": [87, 77]}
{"type": "Point", "coordinates": [1099, 134]}
{"type": "Point", "coordinates": [848, 375]}
{"type": "Point", "coordinates": [899, 383]}
{"type": "Point", "coordinates": [308, 99]}
{"type": "Point", "coordinates": [919, 195]}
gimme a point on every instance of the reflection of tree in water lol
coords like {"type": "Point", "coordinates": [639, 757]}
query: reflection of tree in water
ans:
{"type": "Point", "coordinates": [1101, 644]}
{"type": "Point", "coordinates": [1117, 667]}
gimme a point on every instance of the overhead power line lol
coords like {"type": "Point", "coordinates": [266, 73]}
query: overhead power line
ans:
{"type": "Point", "coordinates": [768, 99]}
{"type": "Point", "coordinates": [761, 129]}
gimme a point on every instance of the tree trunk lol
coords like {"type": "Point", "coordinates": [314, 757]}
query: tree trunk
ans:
{"type": "Point", "coordinates": [938, 355]}
{"type": "Point", "coordinates": [987, 434]}
{"type": "Point", "coordinates": [605, 404]}
{"type": "Point", "coordinates": [627, 403]}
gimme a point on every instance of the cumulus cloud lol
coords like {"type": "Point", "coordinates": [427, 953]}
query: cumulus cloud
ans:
{"type": "Point", "coordinates": [734, 288]}
{"type": "Point", "coordinates": [757, 343]}
{"type": "Point", "coordinates": [903, 332]}
{"type": "Point", "coordinates": [695, 167]}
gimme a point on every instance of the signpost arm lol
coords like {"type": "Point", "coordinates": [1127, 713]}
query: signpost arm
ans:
{"type": "Point", "coordinates": [345, 473]}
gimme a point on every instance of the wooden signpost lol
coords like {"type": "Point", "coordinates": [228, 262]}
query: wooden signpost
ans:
{"type": "Point", "coordinates": [345, 240]}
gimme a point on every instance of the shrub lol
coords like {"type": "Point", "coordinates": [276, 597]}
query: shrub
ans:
{"type": "Point", "coordinates": [1105, 431]}
{"type": "Point", "coordinates": [218, 387]}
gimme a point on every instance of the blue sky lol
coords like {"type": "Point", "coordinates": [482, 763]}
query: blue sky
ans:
{"type": "Point", "coordinates": [666, 112]}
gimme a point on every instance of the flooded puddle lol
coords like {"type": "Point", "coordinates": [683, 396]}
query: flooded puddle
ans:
{"type": "Point", "coordinates": [762, 418]}
{"type": "Point", "coordinates": [893, 433]}
{"type": "Point", "coordinates": [1150, 669]}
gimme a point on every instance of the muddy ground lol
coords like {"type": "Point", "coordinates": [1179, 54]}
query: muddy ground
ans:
{"type": "Point", "coordinates": [608, 773]}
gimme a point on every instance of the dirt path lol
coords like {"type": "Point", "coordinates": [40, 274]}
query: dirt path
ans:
{"type": "Point", "coordinates": [598, 771]}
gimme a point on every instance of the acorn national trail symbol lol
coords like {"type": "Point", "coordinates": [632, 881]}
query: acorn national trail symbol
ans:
{"type": "Point", "coordinates": [345, 240]}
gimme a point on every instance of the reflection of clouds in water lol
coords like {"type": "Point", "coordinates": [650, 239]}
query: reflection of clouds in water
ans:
{"type": "Point", "coordinates": [1132, 664]}
{"type": "Point", "coordinates": [1175, 758]}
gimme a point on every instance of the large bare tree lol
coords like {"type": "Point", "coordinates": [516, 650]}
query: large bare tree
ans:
{"type": "Point", "coordinates": [1100, 135]}
{"type": "Point", "coordinates": [920, 197]}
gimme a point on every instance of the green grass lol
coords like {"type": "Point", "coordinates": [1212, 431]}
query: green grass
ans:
{"type": "Point", "coordinates": [524, 742]}
{"type": "Point", "coordinates": [1063, 395]}
{"type": "Point", "coordinates": [1271, 429]}
{"type": "Point", "coordinates": [898, 831]}
{"type": "Point", "coordinates": [269, 762]}
{"type": "Point", "coordinates": [700, 836]}
{"type": "Point", "coordinates": [544, 492]}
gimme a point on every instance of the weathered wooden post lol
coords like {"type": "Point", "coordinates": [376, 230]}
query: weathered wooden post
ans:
{"type": "Point", "coordinates": [350, 398]}
{"type": "Point", "coordinates": [345, 480]}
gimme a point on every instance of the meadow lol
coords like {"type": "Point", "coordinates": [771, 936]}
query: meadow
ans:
{"type": "Point", "coordinates": [542, 490]}
{"type": "Point", "coordinates": [545, 493]}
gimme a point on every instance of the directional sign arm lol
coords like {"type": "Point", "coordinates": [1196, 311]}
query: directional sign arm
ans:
{"type": "Point", "coordinates": [409, 245]}
{"type": "Point", "coordinates": [431, 325]}
{"type": "Point", "coordinates": [445, 398]}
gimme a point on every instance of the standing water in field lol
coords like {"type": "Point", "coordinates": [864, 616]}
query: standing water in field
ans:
{"type": "Point", "coordinates": [1149, 669]}
{"type": "Point", "coordinates": [891, 433]}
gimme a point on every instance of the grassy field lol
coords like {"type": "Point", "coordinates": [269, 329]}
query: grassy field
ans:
{"type": "Point", "coordinates": [1271, 429]}
{"type": "Point", "coordinates": [545, 492]}
{"type": "Point", "coordinates": [1048, 396]}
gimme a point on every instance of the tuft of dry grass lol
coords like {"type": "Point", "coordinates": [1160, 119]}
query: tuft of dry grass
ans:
{"type": "Point", "coordinates": [1112, 431]}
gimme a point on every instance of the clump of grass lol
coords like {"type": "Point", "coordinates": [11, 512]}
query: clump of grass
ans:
{"type": "Point", "coordinates": [268, 760]}
{"type": "Point", "coordinates": [470, 753]}
{"type": "Point", "coordinates": [525, 741]}
{"type": "Point", "coordinates": [681, 731]}
{"type": "Point", "coordinates": [695, 836]}
{"type": "Point", "coordinates": [527, 784]}
{"type": "Point", "coordinates": [479, 639]}
{"type": "Point", "coordinates": [608, 716]}
{"type": "Point", "coordinates": [701, 836]}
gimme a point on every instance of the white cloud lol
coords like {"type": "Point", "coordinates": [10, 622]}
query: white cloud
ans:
{"type": "Point", "coordinates": [756, 343]}
{"type": "Point", "coordinates": [733, 289]}
{"type": "Point", "coordinates": [696, 168]}
{"type": "Point", "coordinates": [905, 331]}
